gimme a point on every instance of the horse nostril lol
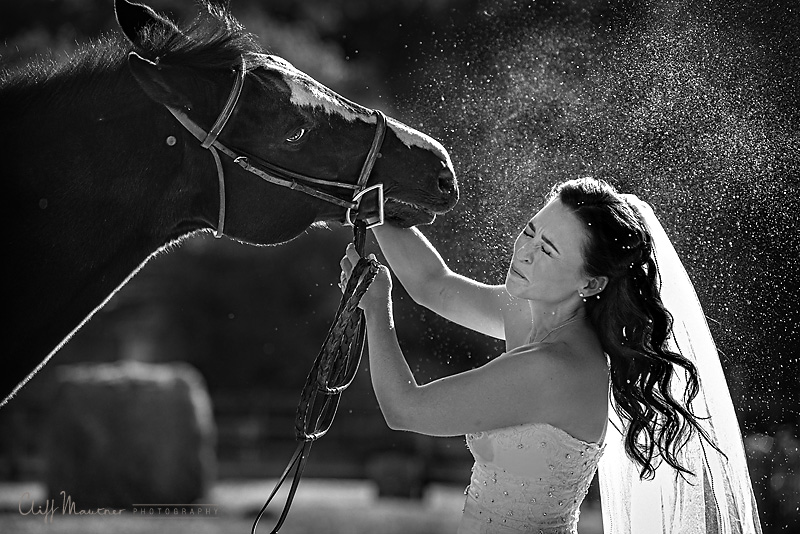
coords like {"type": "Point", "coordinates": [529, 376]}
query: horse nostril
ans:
{"type": "Point", "coordinates": [447, 181]}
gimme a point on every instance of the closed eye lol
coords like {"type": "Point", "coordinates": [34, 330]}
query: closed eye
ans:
{"type": "Point", "coordinates": [297, 135]}
{"type": "Point", "coordinates": [530, 229]}
{"type": "Point", "coordinates": [530, 232]}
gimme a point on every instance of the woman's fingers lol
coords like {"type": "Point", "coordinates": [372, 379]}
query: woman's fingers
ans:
{"type": "Point", "coordinates": [347, 262]}
{"type": "Point", "coordinates": [351, 254]}
{"type": "Point", "coordinates": [350, 258]}
{"type": "Point", "coordinates": [346, 266]}
{"type": "Point", "coordinates": [383, 278]}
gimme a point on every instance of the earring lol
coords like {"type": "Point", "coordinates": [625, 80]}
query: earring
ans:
{"type": "Point", "coordinates": [584, 298]}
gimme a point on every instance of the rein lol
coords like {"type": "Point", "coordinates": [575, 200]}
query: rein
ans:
{"type": "Point", "coordinates": [337, 363]}
{"type": "Point", "coordinates": [333, 371]}
{"type": "Point", "coordinates": [276, 174]}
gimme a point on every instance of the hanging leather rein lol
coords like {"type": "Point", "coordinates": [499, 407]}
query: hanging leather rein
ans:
{"type": "Point", "coordinates": [278, 175]}
{"type": "Point", "coordinates": [333, 371]}
{"type": "Point", "coordinates": [339, 358]}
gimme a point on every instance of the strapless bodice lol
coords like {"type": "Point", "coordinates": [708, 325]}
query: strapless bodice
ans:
{"type": "Point", "coordinates": [528, 478]}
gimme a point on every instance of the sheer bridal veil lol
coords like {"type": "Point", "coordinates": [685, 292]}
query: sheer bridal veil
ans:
{"type": "Point", "coordinates": [719, 497]}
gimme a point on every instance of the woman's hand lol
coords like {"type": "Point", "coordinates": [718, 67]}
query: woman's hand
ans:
{"type": "Point", "coordinates": [378, 294]}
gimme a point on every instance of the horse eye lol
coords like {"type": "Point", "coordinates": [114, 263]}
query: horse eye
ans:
{"type": "Point", "coordinates": [297, 135]}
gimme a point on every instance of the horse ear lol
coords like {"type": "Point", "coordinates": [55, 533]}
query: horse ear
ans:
{"type": "Point", "coordinates": [155, 80]}
{"type": "Point", "coordinates": [133, 18]}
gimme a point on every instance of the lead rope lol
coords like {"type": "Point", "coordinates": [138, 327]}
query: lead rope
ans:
{"type": "Point", "coordinates": [333, 371]}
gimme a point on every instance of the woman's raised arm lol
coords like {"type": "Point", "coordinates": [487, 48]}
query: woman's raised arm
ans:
{"type": "Point", "coordinates": [432, 284]}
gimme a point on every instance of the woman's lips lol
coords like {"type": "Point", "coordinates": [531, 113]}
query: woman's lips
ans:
{"type": "Point", "coordinates": [517, 273]}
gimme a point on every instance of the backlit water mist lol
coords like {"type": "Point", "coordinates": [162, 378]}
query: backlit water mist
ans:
{"type": "Point", "coordinates": [693, 110]}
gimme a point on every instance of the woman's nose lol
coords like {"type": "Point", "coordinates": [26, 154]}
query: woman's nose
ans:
{"type": "Point", "coordinates": [525, 253]}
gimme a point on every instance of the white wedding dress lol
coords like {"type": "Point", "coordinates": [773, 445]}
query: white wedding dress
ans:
{"type": "Point", "coordinates": [527, 478]}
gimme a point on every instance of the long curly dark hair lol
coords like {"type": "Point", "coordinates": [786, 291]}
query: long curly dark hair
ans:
{"type": "Point", "coordinates": [633, 325]}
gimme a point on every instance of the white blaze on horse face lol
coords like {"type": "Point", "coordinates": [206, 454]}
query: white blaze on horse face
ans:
{"type": "Point", "coordinates": [307, 92]}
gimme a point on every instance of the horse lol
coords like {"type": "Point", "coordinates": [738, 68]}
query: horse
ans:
{"type": "Point", "coordinates": [138, 141]}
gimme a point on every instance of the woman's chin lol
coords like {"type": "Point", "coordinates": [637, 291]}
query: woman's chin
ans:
{"type": "Point", "coordinates": [513, 286]}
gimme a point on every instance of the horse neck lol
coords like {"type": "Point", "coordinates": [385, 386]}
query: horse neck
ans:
{"type": "Point", "coordinates": [94, 137]}
{"type": "Point", "coordinates": [96, 189]}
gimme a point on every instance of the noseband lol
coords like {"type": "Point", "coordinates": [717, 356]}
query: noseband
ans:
{"type": "Point", "coordinates": [278, 175]}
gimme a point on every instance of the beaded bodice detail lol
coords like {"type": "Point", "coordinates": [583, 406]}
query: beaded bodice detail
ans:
{"type": "Point", "coordinates": [532, 478]}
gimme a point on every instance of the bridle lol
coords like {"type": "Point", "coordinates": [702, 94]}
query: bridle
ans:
{"type": "Point", "coordinates": [278, 175]}
{"type": "Point", "coordinates": [336, 365]}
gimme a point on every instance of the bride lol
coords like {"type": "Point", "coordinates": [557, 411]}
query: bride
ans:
{"type": "Point", "coordinates": [608, 362]}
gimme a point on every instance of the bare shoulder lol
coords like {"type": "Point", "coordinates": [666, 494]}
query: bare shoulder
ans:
{"type": "Point", "coordinates": [544, 368]}
{"type": "Point", "coordinates": [583, 366]}
{"type": "Point", "coordinates": [542, 383]}
{"type": "Point", "coordinates": [571, 382]}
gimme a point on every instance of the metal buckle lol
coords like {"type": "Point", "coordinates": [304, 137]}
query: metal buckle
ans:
{"type": "Point", "coordinates": [357, 201]}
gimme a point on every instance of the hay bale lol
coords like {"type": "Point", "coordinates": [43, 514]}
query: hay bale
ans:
{"type": "Point", "coordinates": [130, 433]}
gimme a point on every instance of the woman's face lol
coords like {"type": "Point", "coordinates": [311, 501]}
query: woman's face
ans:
{"type": "Point", "coordinates": [548, 263]}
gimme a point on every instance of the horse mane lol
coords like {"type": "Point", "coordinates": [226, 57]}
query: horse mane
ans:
{"type": "Point", "coordinates": [213, 40]}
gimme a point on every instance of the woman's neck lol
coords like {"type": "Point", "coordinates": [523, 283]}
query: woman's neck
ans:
{"type": "Point", "coordinates": [547, 319]}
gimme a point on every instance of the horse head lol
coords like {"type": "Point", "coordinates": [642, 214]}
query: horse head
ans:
{"type": "Point", "coordinates": [283, 123]}
{"type": "Point", "coordinates": [169, 131]}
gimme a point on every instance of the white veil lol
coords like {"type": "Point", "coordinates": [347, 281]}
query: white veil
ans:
{"type": "Point", "coordinates": [719, 498]}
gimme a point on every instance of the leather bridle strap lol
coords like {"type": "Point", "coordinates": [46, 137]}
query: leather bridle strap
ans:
{"type": "Point", "coordinates": [227, 111]}
{"type": "Point", "coordinates": [278, 175]}
{"type": "Point", "coordinates": [372, 156]}
{"type": "Point", "coordinates": [207, 140]}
